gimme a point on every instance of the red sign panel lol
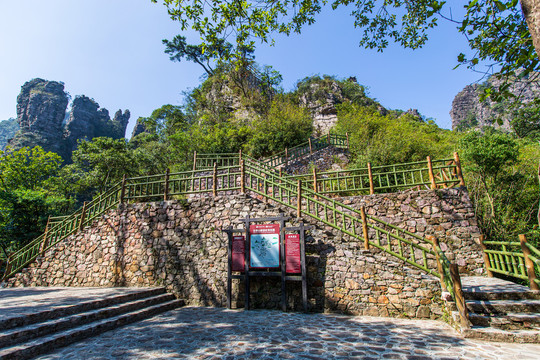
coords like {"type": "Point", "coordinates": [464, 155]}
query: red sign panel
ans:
{"type": "Point", "coordinates": [292, 253]}
{"type": "Point", "coordinates": [238, 253]}
{"type": "Point", "coordinates": [264, 229]}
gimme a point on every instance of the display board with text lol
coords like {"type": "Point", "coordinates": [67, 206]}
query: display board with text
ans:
{"type": "Point", "coordinates": [267, 248]}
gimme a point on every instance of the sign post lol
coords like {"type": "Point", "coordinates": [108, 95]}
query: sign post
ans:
{"type": "Point", "coordinates": [267, 249]}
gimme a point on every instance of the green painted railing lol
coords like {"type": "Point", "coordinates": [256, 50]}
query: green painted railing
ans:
{"type": "Point", "coordinates": [62, 228]}
{"type": "Point", "coordinates": [308, 147]}
{"type": "Point", "coordinates": [517, 259]}
{"type": "Point", "coordinates": [444, 173]}
{"type": "Point", "coordinates": [411, 248]}
{"type": "Point", "coordinates": [250, 175]}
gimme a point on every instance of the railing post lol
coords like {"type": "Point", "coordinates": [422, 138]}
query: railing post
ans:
{"type": "Point", "coordinates": [214, 181]}
{"type": "Point", "coordinates": [347, 135]}
{"type": "Point", "coordinates": [166, 187]}
{"type": "Point", "coordinates": [315, 184]}
{"type": "Point", "coordinates": [242, 177]}
{"type": "Point", "coordinates": [431, 175]}
{"type": "Point", "coordinates": [364, 227]}
{"type": "Point", "coordinates": [239, 156]}
{"type": "Point", "coordinates": [370, 175]}
{"type": "Point", "coordinates": [459, 173]}
{"type": "Point", "coordinates": [9, 265]}
{"type": "Point", "coordinates": [280, 173]}
{"type": "Point", "coordinates": [44, 243]}
{"type": "Point", "coordinates": [286, 157]}
{"type": "Point", "coordinates": [299, 200]}
{"type": "Point", "coordinates": [194, 160]}
{"type": "Point", "coordinates": [83, 215]}
{"type": "Point", "coordinates": [328, 139]}
{"type": "Point", "coordinates": [440, 269]}
{"type": "Point", "coordinates": [460, 300]}
{"type": "Point", "coordinates": [486, 256]}
{"type": "Point", "coordinates": [528, 263]}
{"type": "Point", "coordinates": [310, 147]}
{"type": "Point", "coordinates": [123, 189]}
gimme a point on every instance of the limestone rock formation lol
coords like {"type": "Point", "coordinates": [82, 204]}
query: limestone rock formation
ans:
{"type": "Point", "coordinates": [321, 96]}
{"type": "Point", "coordinates": [41, 115]}
{"type": "Point", "coordinates": [8, 128]}
{"type": "Point", "coordinates": [87, 121]}
{"type": "Point", "coordinates": [139, 128]}
{"type": "Point", "coordinates": [469, 112]}
{"type": "Point", "coordinates": [41, 108]}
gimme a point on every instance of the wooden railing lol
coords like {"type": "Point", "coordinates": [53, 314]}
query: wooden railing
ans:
{"type": "Point", "coordinates": [308, 147]}
{"type": "Point", "coordinates": [431, 174]}
{"type": "Point", "coordinates": [411, 248]}
{"type": "Point", "coordinates": [256, 177]}
{"type": "Point", "coordinates": [517, 259]}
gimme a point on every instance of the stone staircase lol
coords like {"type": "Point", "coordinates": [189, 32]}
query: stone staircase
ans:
{"type": "Point", "coordinates": [41, 327]}
{"type": "Point", "coordinates": [502, 311]}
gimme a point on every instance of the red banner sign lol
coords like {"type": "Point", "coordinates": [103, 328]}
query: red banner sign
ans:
{"type": "Point", "coordinates": [238, 253]}
{"type": "Point", "coordinates": [292, 253]}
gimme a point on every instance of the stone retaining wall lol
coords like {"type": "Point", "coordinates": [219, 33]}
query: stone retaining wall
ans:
{"type": "Point", "coordinates": [179, 244]}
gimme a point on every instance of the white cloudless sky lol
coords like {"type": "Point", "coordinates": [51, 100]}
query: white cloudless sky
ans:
{"type": "Point", "coordinates": [111, 51]}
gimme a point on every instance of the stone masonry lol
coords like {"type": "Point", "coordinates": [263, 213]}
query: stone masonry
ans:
{"type": "Point", "coordinates": [179, 244]}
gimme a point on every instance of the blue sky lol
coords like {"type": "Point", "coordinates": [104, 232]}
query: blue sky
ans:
{"type": "Point", "coordinates": [111, 50]}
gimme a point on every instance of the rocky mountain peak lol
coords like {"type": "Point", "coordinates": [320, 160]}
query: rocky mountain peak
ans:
{"type": "Point", "coordinates": [41, 110]}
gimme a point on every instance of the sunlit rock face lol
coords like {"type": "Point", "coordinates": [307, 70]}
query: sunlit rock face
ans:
{"type": "Point", "coordinates": [42, 118]}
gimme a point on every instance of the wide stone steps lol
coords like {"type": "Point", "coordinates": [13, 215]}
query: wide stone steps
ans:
{"type": "Point", "coordinates": [503, 306]}
{"type": "Point", "coordinates": [42, 336]}
{"type": "Point", "coordinates": [500, 310]}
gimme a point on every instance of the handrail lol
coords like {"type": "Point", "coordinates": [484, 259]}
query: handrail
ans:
{"type": "Point", "coordinates": [261, 179]}
{"type": "Point", "coordinates": [432, 174]}
{"type": "Point", "coordinates": [411, 248]}
{"type": "Point", "coordinates": [517, 259]}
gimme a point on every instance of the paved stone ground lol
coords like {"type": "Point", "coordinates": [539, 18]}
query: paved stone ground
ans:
{"type": "Point", "coordinates": [215, 333]}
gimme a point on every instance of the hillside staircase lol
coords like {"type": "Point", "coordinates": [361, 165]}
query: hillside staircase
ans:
{"type": "Point", "coordinates": [309, 195]}
{"type": "Point", "coordinates": [41, 329]}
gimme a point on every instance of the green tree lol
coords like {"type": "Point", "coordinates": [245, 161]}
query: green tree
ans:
{"type": "Point", "coordinates": [28, 194]}
{"type": "Point", "coordinates": [497, 29]}
{"type": "Point", "coordinates": [285, 125]}
{"type": "Point", "coordinates": [101, 162]}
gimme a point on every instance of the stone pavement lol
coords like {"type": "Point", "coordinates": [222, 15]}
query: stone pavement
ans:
{"type": "Point", "coordinates": [216, 333]}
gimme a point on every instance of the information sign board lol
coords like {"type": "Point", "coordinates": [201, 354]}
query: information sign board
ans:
{"type": "Point", "coordinates": [238, 253]}
{"type": "Point", "coordinates": [292, 254]}
{"type": "Point", "coordinates": [264, 245]}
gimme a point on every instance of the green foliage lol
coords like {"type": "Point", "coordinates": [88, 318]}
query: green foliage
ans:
{"type": "Point", "coordinates": [316, 89]}
{"type": "Point", "coordinates": [102, 162]}
{"type": "Point", "coordinates": [498, 32]}
{"type": "Point", "coordinates": [489, 153]}
{"type": "Point", "coordinates": [469, 123]}
{"type": "Point", "coordinates": [500, 172]}
{"type": "Point", "coordinates": [526, 120]}
{"type": "Point", "coordinates": [28, 194]}
{"type": "Point", "coordinates": [383, 140]}
{"type": "Point", "coordinates": [286, 125]}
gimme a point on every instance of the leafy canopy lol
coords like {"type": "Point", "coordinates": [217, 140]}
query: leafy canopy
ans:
{"type": "Point", "coordinates": [496, 29]}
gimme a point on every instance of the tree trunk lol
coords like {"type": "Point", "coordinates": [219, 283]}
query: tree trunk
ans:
{"type": "Point", "coordinates": [531, 11]}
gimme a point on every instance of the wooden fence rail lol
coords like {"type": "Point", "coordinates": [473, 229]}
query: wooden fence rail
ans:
{"type": "Point", "coordinates": [517, 259]}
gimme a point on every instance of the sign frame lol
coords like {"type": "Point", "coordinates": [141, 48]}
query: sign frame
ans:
{"type": "Point", "coordinates": [280, 271]}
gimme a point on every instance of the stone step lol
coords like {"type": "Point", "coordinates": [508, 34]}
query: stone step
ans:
{"type": "Point", "coordinates": [17, 335]}
{"type": "Point", "coordinates": [61, 311]}
{"type": "Point", "coordinates": [503, 306]}
{"type": "Point", "coordinates": [500, 335]}
{"type": "Point", "coordinates": [512, 321]}
{"type": "Point", "coordinates": [50, 342]}
{"type": "Point", "coordinates": [506, 295]}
